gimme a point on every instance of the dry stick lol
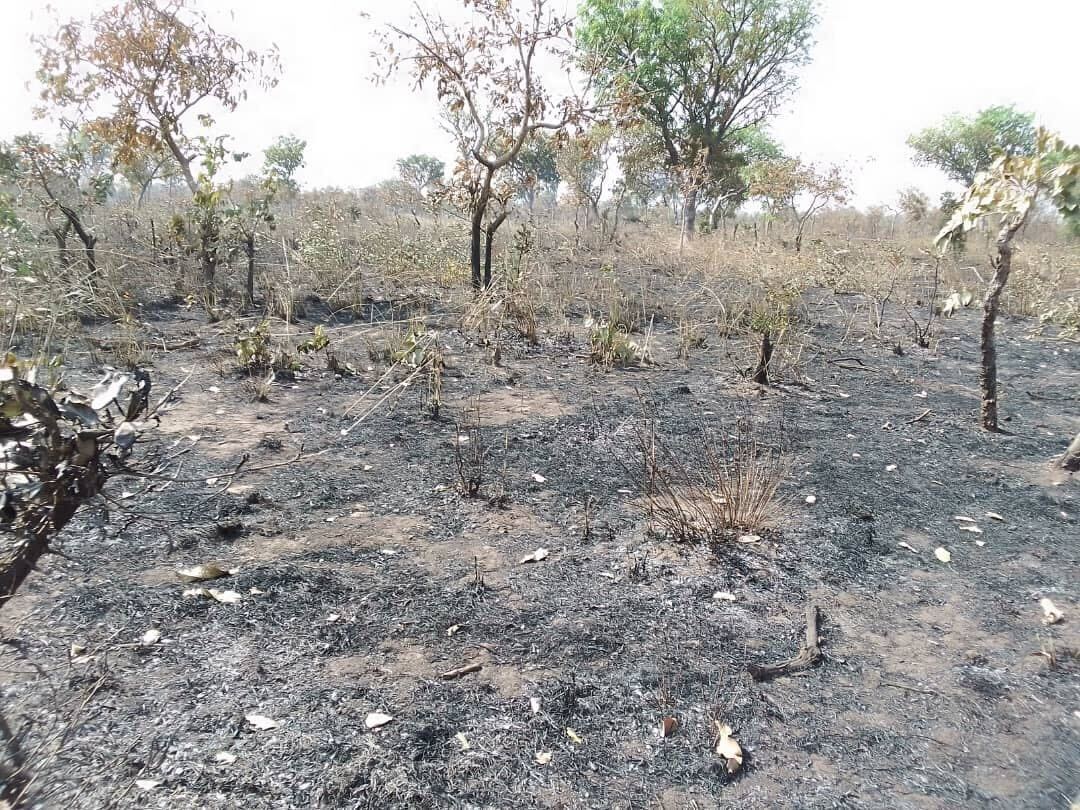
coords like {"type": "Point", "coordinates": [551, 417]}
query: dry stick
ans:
{"type": "Point", "coordinates": [809, 655]}
{"type": "Point", "coordinates": [921, 416]}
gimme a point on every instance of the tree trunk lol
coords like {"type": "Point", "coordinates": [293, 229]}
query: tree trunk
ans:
{"type": "Point", "coordinates": [63, 257]}
{"type": "Point", "coordinates": [761, 373]}
{"type": "Point", "coordinates": [249, 285]}
{"type": "Point", "coordinates": [988, 379]}
{"type": "Point", "coordinates": [689, 213]}
{"type": "Point", "coordinates": [489, 240]}
{"type": "Point", "coordinates": [476, 235]}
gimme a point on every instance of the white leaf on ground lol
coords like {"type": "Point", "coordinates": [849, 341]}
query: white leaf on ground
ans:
{"type": "Point", "coordinates": [890, 468]}
{"type": "Point", "coordinates": [534, 704]}
{"type": "Point", "coordinates": [728, 748]}
{"type": "Point", "coordinates": [811, 499]}
{"type": "Point", "coordinates": [536, 556]}
{"type": "Point", "coordinates": [261, 721]}
{"type": "Point", "coordinates": [200, 573]}
{"type": "Point", "coordinates": [452, 629]}
{"type": "Point", "coordinates": [224, 757]}
{"type": "Point", "coordinates": [538, 478]}
{"type": "Point", "coordinates": [964, 519]}
{"type": "Point", "coordinates": [543, 757]}
{"type": "Point", "coordinates": [749, 538]}
{"type": "Point", "coordinates": [724, 595]}
{"type": "Point", "coordinates": [995, 516]}
{"type": "Point", "coordinates": [463, 741]}
{"type": "Point", "coordinates": [225, 597]}
{"type": "Point", "coordinates": [147, 784]}
{"type": "Point", "coordinates": [970, 527]}
{"type": "Point", "coordinates": [980, 543]}
{"type": "Point", "coordinates": [377, 720]}
{"type": "Point", "coordinates": [1051, 613]}
{"type": "Point", "coordinates": [908, 546]}
{"type": "Point", "coordinates": [943, 554]}
{"type": "Point", "coordinates": [573, 735]}
{"type": "Point", "coordinates": [151, 637]}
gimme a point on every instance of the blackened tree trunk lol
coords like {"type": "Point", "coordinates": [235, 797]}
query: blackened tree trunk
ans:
{"type": "Point", "coordinates": [476, 236]}
{"type": "Point", "coordinates": [761, 373]}
{"type": "Point", "coordinates": [489, 240]}
{"type": "Point", "coordinates": [988, 377]}
{"type": "Point", "coordinates": [249, 284]}
{"type": "Point", "coordinates": [689, 213]}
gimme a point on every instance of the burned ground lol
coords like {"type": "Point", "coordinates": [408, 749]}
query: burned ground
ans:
{"type": "Point", "coordinates": [365, 576]}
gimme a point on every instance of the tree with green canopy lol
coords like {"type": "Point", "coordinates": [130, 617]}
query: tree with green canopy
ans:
{"type": "Point", "coordinates": [283, 159]}
{"type": "Point", "coordinates": [420, 172]}
{"type": "Point", "coordinates": [962, 146]}
{"type": "Point", "coordinates": [699, 72]}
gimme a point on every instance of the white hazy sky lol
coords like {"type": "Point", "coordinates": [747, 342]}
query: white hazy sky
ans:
{"type": "Point", "coordinates": [881, 70]}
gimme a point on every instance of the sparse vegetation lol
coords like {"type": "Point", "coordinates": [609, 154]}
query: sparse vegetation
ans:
{"type": "Point", "coordinates": [468, 567]}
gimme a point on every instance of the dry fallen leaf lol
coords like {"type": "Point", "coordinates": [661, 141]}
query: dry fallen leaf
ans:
{"type": "Point", "coordinates": [377, 720]}
{"type": "Point", "coordinates": [908, 546]}
{"type": "Point", "coordinates": [724, 595]}
{"type": "Point", "coordinates": [964, 519]}
{"type": "Point", "coordinates": [970, 527]}
{"type": "Point", "coordinates": [811, 499]}
{"type": "Point", "coordinates": [668, 726]}
{"type": "Point", "coordinates": [536, 556]}
{"type": "Point", "coordinates": [201, 573]}
{"type": "Point", "coordinates": [147, 784]}
{"type": "Point", "coordinates": [749, 538]}
{"type": "Point", "coordinates": [538, 478]}
{"type": "Point", "coordinates": [943, 554]}
{"type": "Point", "coordinates": [543, 757]}
{"type": "Point", "coordinates": [151, 637]}
{"type": "Point", "coordinates": [224, 757]}
{"type": "Point", "coordinates": [462, 740]}
{"type": "Point", "coordinates": [261, 721]}
{"type": "Point", "coordinates": [890, 468]}
{"type": "Point", "coordinates": [1051, 613]}
{"type": "Point", "coordinates": [573, 735]}
{"type": "Point", "coordinates": [534, 704]}
{"type": "Point", "coordinates": [728, 748]}
{"type": "Point", "coordinates": [452, 629]}
{"type": "Point", "coordinates": [995, 516]}
{"type": "Point", "coordinates": [225, 597]}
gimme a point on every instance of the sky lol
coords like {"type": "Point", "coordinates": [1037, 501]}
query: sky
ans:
{"type": "Point", "coordinates": [880, 71]}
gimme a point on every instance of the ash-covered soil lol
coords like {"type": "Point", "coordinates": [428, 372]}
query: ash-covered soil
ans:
{"type": "Point", "coordinates": [364, 576]}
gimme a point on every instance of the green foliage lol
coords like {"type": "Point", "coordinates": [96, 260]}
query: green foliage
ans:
{"type": "Point", "coordinates": [1011, 186]}
{"type": "Point", "coordinates": [253, 347]}
{"type": "Point", "coordinates": [318, 341]}
{"type": "Point", "coordinates": [421, 172]}
{"type": "Point", "coordinates": [914, 204]}
{"type": "Point", "coordinates": [282, 159]}
{"type": "Point", "coordinates": [963, 146]}
{"type": "Point", "coordinates": [698, 72]}
{"type": "Point", "coordinates": [535, 166]}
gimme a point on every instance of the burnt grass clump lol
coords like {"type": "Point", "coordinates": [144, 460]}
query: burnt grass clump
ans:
{"type": "Point", "coordinates": [366, 580]}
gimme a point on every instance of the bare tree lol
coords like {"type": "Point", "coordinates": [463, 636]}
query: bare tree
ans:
{"type": "Point", "coordinates": [486, 73]}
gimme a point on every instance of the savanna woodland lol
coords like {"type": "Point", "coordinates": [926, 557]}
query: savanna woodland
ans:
{"type": "Point", "coordinates": [615, 456]}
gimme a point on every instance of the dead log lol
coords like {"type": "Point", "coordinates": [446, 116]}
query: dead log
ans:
{"type": "Point", "coordinates": [809, 655]}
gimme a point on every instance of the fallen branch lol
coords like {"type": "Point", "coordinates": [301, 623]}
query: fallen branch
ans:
{"type": "Point", "coordinates": [921, 416]}
{"type": "Point", "coordinates": [809, 655]}
{"type": "Point", "coordinates": [465, 670]}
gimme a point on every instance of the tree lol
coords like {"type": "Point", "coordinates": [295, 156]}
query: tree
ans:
{"type": "Point", "coordinates": [140, 72]}
{"type": "Point", "coordinates": [964, 146]}
{"type": "Point", "coordinates": [67, 181]}
{"type": "Point", "coordinates": [583, 166]}
{"type": "Point", "coordinates": [698, 72]}
{"type": "Point", "coordinates": [536, 168]}
{"type": "Point", "coordinates": [249, 211]}
{"type": "Point", "coordinates": [1008, 191]}
{"type": "Point", "coordinates": [914, 204]}
{"type": "Point", "coordinates": [421, 172]}
{"type": "Point", "coordinates": [283, 159]}
{"type": "Point", "coordinates": [789, 184]}
{"type": "Point", "coordinates": [727, 186]}
{"type": "Point", "coordinates": [486, 73]}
